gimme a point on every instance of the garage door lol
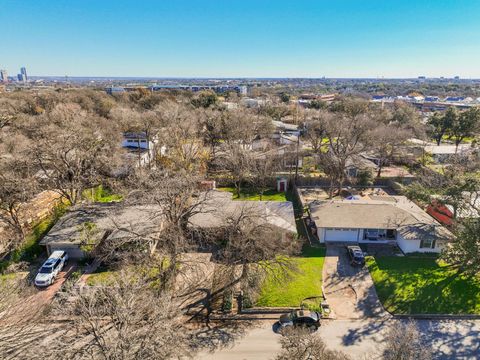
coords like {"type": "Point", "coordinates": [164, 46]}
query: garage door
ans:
{"type": "Point", "coordinates": [74, 252]}
{"type": "Point", "coordinates": [341, 235]}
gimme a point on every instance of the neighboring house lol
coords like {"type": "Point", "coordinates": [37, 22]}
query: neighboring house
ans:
{"type": "Point", "coordinates": [357, 164]}
{"type": "Point", "coordinates": [379, 219]}
{"type": "Point", "coordinates": [286, 156]}
{"type": "Point", "coordinates": [219, 207]}
{"type": "Point", "coordinates": [444, 213]}
{"type": "Point", "coordinates": [140, 149]}
{"type": "Point", "coordinates": [285, 134]}
{"type": "Point", "coordinates": [253, 103]}
{"type": "Point", "coordinates": [88, 224]}
{"type": "Point", "coordinates": [115, 90]}
{"type": "Point", "coordinates": [442, 154]}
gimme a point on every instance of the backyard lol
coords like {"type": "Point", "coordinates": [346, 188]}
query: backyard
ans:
{"type": "Point", "coordinates": [305, 283]}
{"type": "Point", "coordinates": [423, 285]}
{"type": "Point", "coordinates": [253, 195]}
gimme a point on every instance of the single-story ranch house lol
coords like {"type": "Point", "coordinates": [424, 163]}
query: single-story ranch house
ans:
{"type": "Point", "coordinates": [379, 219]}
{"type": "Point", "coordinates": [219, 208]}
{"type": "Point", "coordinates": [90, 223]}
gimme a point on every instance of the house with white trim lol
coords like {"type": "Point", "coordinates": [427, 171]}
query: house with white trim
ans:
{"type": "Point", "coordinates": [379, 219]}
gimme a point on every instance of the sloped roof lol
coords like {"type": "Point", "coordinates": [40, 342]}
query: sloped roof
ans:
{"type": "Point", "coordinates": [111, 217]}
{"type": "Point", "coordinates": [401, 214]}
{"type": "Point", "coordinates": [219, 207]}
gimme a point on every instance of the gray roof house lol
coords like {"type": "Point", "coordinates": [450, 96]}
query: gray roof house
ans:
{"type": "Point", "coordinates": [382, 219]}
{"type": "Point", "coordinates": [219, 206]}
{"type": "Point", "coordinates": [93, 222]}
{"type": "Point", "coordinates": [97, 221]}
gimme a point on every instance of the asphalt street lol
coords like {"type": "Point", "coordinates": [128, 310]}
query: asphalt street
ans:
{"type": "Point", "coordinates": [450, 339]}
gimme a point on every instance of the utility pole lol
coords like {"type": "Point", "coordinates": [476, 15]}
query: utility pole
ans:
{"type": "Point", "coordinates": [296, 162]}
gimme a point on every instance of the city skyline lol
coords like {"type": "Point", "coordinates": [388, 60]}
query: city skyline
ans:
{"type": "Point", "coordinates": [271, 39]}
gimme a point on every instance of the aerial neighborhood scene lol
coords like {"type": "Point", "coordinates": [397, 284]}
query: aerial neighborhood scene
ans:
{"type": "Point", "coordinates": [240, 180]}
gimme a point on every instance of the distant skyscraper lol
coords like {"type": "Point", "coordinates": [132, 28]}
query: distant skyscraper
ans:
{"type": "Point", "coordinates": [23, 71]}
{"type": "Point", "coordinates": [3, 76]}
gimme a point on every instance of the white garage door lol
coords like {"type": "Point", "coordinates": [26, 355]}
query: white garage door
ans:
{"type": "Point", "coordinates": [341, 235]}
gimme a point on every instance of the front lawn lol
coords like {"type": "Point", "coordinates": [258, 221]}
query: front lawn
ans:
{"type": "Point", "coordinates": [102, 278]}
{"type": "Point", "coordinates": [305, 283]}
{"type": "Point", "coordinates": [250, 194]}
{"type": "Point", "coordinates": [422, 285]}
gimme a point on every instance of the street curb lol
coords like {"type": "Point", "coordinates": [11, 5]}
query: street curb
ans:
{"type": "Point", "coordinates": [437, 316]}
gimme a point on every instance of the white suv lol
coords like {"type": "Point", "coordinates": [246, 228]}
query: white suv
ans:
{"type": "Point", "coordinates": [50, 268]}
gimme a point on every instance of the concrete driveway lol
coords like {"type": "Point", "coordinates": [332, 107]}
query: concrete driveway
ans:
{"type": "Point", "coordinates": [349, 290]}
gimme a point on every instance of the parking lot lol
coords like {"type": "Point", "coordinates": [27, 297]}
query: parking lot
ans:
{"type": "Point", "coordinates": [349, 289]}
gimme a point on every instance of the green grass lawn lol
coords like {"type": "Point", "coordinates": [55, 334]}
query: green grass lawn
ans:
{"type": "Point", "coordinates": [102, 278]}
{"type": "Point", "coordinates": [250, 194]}
{"type": "Point", "coordinates": [107, 276]}
{"type": "Point", "coordinates": [101, 195]}
{"type": "Point", "coordinates": [421, 285]}
{"type": "Point", "coordinates": [307, 282]}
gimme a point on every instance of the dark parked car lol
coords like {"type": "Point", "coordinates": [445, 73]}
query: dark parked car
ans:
{"type": "Point", "coordinates": [356, 255]}
{"type": "Point", "coordinates": [300, 318]}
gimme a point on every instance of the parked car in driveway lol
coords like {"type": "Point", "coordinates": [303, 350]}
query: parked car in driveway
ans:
{"type": "Point", "coordinates": [356, 255]}
{"type": "Point", "coordinates": [300, 318]}
{"type": "Point", "coordinates": [51, 268]}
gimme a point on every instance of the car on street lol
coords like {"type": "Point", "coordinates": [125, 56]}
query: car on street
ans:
{"type": "Point", "coordinates": [300, 318]}
{"type": "Point", "coordinates": [51, 268]}
{"type": "Point", "coordinates": [356, 255]}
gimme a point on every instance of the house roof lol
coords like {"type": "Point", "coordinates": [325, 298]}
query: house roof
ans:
{"type": "Point", "coordinates": [284, 126]}
{"type": "Point", "coordinates": [114, 218]}
{"type": "Point", "coordinates": [447, 149]}
{"type": "Point", "coordinates": [219, 207]}
{"type": "Point", "coordinates": [397, 213]}
{"type": "Point", "coordinates": [117, 220]}
{"type": "Point", "coordinates": [360, 162]}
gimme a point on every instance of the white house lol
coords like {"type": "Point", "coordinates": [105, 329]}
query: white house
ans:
{"type": "Point", "coordinates": [379, 219]}
{"type": "Point", "coordinates": [445, 153]}
{"type": "Point", "coordinates": [141, 149]}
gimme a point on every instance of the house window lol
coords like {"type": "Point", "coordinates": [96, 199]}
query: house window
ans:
{"type": "Point", "coordinates": [378, 234]}
{"type": "Point", "coordinates": [427, 244]}
{"type": "Point", "coordinates": [370, 234]}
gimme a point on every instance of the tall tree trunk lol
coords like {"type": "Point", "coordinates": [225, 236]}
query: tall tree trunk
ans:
{"type": "Point", "coordinates": [379, 171]}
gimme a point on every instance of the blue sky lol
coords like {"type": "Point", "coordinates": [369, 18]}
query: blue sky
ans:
{"type": "Point", "coordinates": [247, 38]}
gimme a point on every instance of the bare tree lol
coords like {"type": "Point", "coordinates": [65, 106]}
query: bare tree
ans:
{"type": "Point", "coordinates": [404, 342]}
{"type": "Point", "coordinates": [238, 162]}
{"type": "Point", "coordinates": [17, 186]}
{"type": "Point", "coordinates": [300, 344]}
{"type": "Point", "coordinates": [348, 132]}
{"type": "Point", "coordinates": [316, 134]}
{"type": "Point", "coordinates": [263, 173]}
{"type": "Point", "coordinates": [72, 150]}
{"type": "Point", "coordinates": [128, 319]}
{"type": "Point", "coordinates": [182, 138]}
{"type": "Point", "coordinates": [171, 201]}
{"type": "Point", "coordinates": [387, 143]}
